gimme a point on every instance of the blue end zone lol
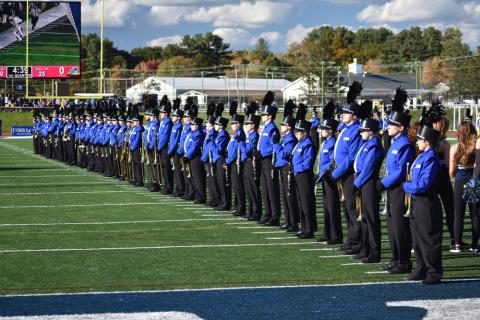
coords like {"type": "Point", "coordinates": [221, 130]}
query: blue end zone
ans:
{"type": "Point", "coordinates": [340, 302]}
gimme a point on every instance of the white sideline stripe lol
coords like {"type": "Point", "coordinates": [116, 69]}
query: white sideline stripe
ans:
{"type": "Point", "coordinates": [81, 205]}
{"type": "Point", "coordinates": [198, 246]}
{"type": "Point", "coordinates": [358, 264]}
{"type": "Point", "coordinates": [379, 283]}
{"type": "Point", "coordinates": [60, 192]}
{"type": "Point", "coordinates": [188, 205]}
{"type": "Point", "coordinates": [102, 223]}
{"type": "Point", "coordinates": [267, 232]}
{"type": "Point", "coordinates": [213, 215]}
{"type": "Point", "coordinates": [337, 256]}
{"type": "Point", "coordinates": [318, 249]}
{"type": "Point", "coordinates": [170, 315]}
{"type": "Point", "coordinates": [244, 222]}
{"type": "Point", "coordinates": [253, 227]}
{"type": "Point", "coordinates": [280, 238]}
{"type": "Point", "coordinates": [195, 208]}
{"type": "Point", "coordinates": [40, 184]}
{"type": "Point", "coordinates": [49, 176]}
{"type": "Point", "coordinates": [376, 272]}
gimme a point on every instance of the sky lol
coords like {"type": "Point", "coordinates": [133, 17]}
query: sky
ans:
{"type": "Point", "coordinates": [138, 23]}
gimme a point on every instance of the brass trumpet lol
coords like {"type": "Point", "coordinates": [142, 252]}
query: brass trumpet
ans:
{"type": "Point", "coordinates": [358, 206]}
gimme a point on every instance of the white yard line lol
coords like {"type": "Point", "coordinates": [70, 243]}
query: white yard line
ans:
{"type": "Point", "coordinates": [81, 205]}
{"type": "Point", "coordinates": [253, 227]}
{"type": "Point", "coordinates": [359, 264]}
{"type": "Point", "coordinates": [267, 232]}
{"type": "Point", "coordinates": [40, 184]}
{"type": "Point", "coordinates": [198, 246]}
{"type": "Point", "coordinates": [318, 249]}
{"type": "Point", "coordinates": [376, 272]}
{"type": "Point", "coordinates": [59, 192]}
{"type": "Point", "coordinates": [337, 256]}
{"type": "Point", "coordinates": [280, 238]}
{"type": "Point", "coordinates": [13, 225]}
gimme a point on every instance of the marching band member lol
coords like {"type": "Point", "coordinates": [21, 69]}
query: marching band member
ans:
{"type": "Point", "coordinates": [426, 216]}
{"type": "Point", "coordinates": [135, 144]}
{"type": "Point", "coordinates": [399, 157]}
{"type": "Point", "coordinates": [234, 159]}
{"type": "Point", "coordinates": [219, 153]}
{"type": "Point", "coordinates": [163, 137]}
{"type": "Point", "coordinates": [250, 155]}
{"type": "Point", "coordinates": [193, 152]}
{"type": "Point", "coordinates": [173, 145]}
{"type": "Point", "coordinates": [269, 176]}
{"type": "Point", "coordinates": [303, 160]}
{"type": "Point", "coordinates": [346, 148]}
{"type": "Point", "coordinates": [283, 152]}
{"type": "Point", "coordinates": [332, 231]}
{"type": "Point", "coordinates": [367, 168]}
{"type": "Point", "coordinates": [190, 112]}
{"type": "Point", "coordinates": [207, 156]}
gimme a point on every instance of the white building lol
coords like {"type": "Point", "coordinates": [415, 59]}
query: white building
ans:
{"type": "Point", "coordinates": [206, 90]}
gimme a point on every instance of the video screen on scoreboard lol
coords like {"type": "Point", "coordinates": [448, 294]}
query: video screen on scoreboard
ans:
{"type": "Point", "coordinates": [53, 39]}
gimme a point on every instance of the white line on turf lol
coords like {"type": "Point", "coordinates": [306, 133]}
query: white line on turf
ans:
{"type": "Point", "coordinates": [376, 272]}
{"type": "Point", "coordinates": [268, 232]}
{"type": "Point", "coordinates": [253, 227]}
{"type": "Point", "coordinates": [244, 222]}
{"type": "Point", "coordinates": [213, 215]}
{"type": "Point", "coordinates": [60, 184]}
{"type": "Point", "coordinates": [358, 264]}
{"type": "Point", "coordinates": [49, 176]}
{"type": "Point", "coordinates": [196, 208]}
{"type": "Point", "coordinates": [280, 238]}
{"type": "Point", "coordinates": [4, 225]}
{"type": "Point", "coordinates": [337, 256]}
{"type": "Point", "coordinates": [198, 246]}
{"type": "Point", "coordinates": [170, 315]}
{"type": "Point", "coordinates": [59, 192]}
{"type": "Point", "coordinates": [379, 283]}
{"type": "Point", "coordinates": [81, 205]}
{"type": "Point", "coordinates": [318, 249]}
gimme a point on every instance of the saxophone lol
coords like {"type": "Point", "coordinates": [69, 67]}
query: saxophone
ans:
{"type": "Point", "coordinates": [358, 206]}
{"type": "Point", "coordinates": [408, 197]}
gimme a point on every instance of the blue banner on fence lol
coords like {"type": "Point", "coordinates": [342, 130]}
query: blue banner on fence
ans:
{"type": "Point", "coordinates": [18, 131]}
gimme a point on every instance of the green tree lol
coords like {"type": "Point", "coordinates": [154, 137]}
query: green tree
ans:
{"type": "Point", "coordinates": [262, 49]}
{"type": "Point", "coordinates": [433, 41]}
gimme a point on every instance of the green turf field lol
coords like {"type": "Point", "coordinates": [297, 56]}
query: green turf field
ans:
{"type": "Point", "coordinates": [50, 46]}
{"type": "Point", "coordinates": [63, 229]}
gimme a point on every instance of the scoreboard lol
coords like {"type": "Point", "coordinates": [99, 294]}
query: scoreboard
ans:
{"type": "Point", "coordinates": [40, 72]}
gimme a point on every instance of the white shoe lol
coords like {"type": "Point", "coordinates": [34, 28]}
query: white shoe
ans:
{"type": "Point", "coordinates": [456, 249]}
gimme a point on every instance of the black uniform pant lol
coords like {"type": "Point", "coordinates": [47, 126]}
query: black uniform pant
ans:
{"type": "Point", "coordinates": [113, 161]}
{"type": "Point", "coordinates": [198, 179]}
{"type": "Point", "coordinates": [331, 211]}
{"type": "Point", "coordinates": [167, 172]}
{"type": "Point", "coordinates": [137, 166]}
{"type": "Point", "coordinates": [178, 175]}
{"type": "Point", "coordinates": [251, 178]}
{"type": "Point", "coordinates": [270, 190]}
{"type": "Point", "coordinates": [427, 227]}
{"type": "Point", "coordinates": [91, 156]}
{"type": "Point", "coordinates": [213, 189]}
{"type": "Point", "coordinates": [460, 206]}
{"type": "Point", "coordinates": [187, 177]}
{"type": "Point", "coordinates": [371, 228]}
{"type": "Point", "coordinates": [289, 197]}
{"type": "Point", "coordinates": [399, 234]}
{"type": "Point", "coordinates": [349, 207]}
{"type": "Point", "coordinates": [35, 144]}
{"type": "Point", "coordinates": [152, 169]}
{"type": "Point", "coordinates": [238, 187]}
{"type": "Point", "coordinates": [224, 184]}
{"type": "Point", "coordinates": [305, 187]}
{"type": "Point", "coordinates": [445, 191]}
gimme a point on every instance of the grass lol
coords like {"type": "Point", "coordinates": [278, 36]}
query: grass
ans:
{"type": "Point", "coordinates": [23, 175]}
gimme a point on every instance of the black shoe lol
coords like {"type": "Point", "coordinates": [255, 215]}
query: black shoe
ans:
{"type": "Point", "coordinates": [253, 219]}
{"type": "Point", "coordinates": [401, 269]}
{"type": "Point", "coordinates": [178, 195]}
{"type": "Point", "coordinates": [239, 214]}
{"type": "Point", "coordinates": [359, 256]}
{"type": "Point", "coordinates": [388, 266]}
{"type": "Point", "coordinates": [284, 226]}
{"type": "Point", "coordinates": [272, 223]}
{"type": "Point", "coordinates": [432, 280]}
{"type": "Point", "coordinates": [305, 236]}
{"type": "Point", "coordinates": [293, 228]}
{"type": "Point", "coordinates": [417, 276]}
{"type": "Point", "coordinates": [352, 252]}
{"type": "Point", "coordinates": [233, 211]}
{"type": "Point", "coordinates": [345, 247]}
{"type": "Point", "coordinates": [334, 242]}
{"type": "Point", "coordinates": [262, 222]}
{"type": "Point", "coordinates": [370, 260]}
